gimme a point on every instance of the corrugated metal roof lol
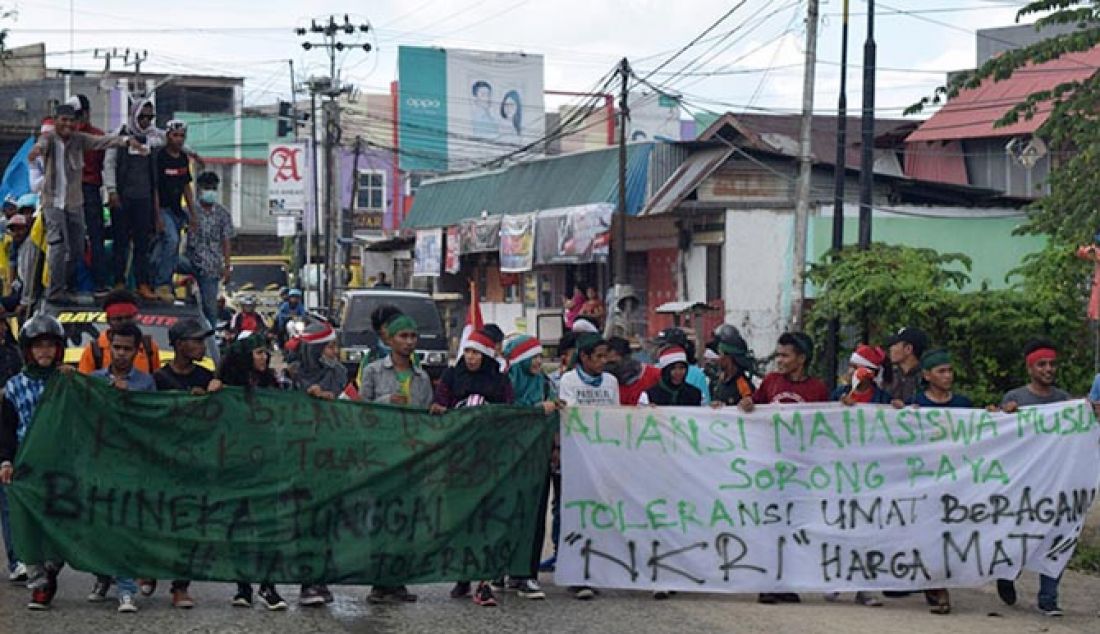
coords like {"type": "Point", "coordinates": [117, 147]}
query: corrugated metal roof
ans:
{"type": "Point", "coordinates": [686, 178]}
{"type": "Point", "coordinates": [972, 113]}
{"type": "Point", "coordinates": [560, 181]}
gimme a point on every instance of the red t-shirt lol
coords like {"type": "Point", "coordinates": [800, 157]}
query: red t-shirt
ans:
{"type": "Point", "coordinates": [93, 159]}
{"type": "Point", "coordinates": [629, 394]}
{"type": "Point", "coordinates": [777, 388]}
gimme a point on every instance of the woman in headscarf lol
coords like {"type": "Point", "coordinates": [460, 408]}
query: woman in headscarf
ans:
{"type": "Point", "coordinates": [474, 380]}
{"type": "Point", "coordinates": [531, 388]}
{"type": "Point", "coordinates": [320, 372]}
{"type": "Point", "coordinates": [246, 364]}
{"type": "Point", "coordinates": [673, 388]}
{"type": "Point", "coordinates": [321, 375]}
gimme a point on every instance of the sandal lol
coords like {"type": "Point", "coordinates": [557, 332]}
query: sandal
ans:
{"type": "Point", "coordinates": [940, 601]}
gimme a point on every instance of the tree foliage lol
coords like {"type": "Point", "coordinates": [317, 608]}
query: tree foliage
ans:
{"type": "Point", "coordinates": [985, 330]}
{"type": "Point", "coordinates": [892, 286]}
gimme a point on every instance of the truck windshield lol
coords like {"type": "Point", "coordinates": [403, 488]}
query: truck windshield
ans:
{"type": "Point", "coordinates": [421, 309]}
{"type": "Point", "coordinates": [258, 277]}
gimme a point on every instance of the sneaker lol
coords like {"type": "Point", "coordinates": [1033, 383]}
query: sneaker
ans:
{"type": "Point", "coordinates": [147, 587]}
{"type": "Point", "coordinates": [310, 595]}
{"type": "Point", "coordinates": [326, 593]}
{"type": "Point", "coordinates": [99, 591]}
{"type": "Point", "coordinates": [40, 599]}
{"type": "Point", "coordinates": [549, 564]}
{"type": "Point", "coordinates": [832, 597]}
{"type": "Point", "coordinates": [242, 600]}
{"type": "Point", "coordinates": [530, 589]}
{"type": "Point", "coordinates": [182, 600]}
{"type": "Point", "coordinates": [484, 596]}
{"type": "Point", "coordinates": [767, 598]}
{"type": "Point", "coordinates": [126, 604]}
{"type": "Point", "coordinates": [1006, 589]}
{"type": "Point", "coordinates": [513, 584]}
{"type": "Point", "coordinates": [501, 583]}
{"type": "Point", "coordinates": [1051, 610]}
{"type": "Point", "coordinates": [378, 594]}
{"type": "Point", "coordinates": [661, 595]}
{"type": "Point", "coordinates": [401, 594]}
{"type": "Point", "coordinates": [272, 600]}
{"type": "Point", "coordinates": [788, 597]}
{"type": "Point", "coordinates": [583, 593]}
{"type": "Point", "coordinates": [18, 574]}
{"type": "Point", "coordinates": [460, 590]}
{"type": "Point", "coordinates": [866, 599]}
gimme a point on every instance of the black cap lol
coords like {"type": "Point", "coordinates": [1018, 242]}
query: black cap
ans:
{"type": "Point", "coordinates": [912, 336]}
{"type": "Point", "coordinates": [188, 329]}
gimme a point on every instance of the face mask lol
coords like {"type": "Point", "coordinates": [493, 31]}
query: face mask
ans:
{"type": "Point", "coordinates": [208, 196]}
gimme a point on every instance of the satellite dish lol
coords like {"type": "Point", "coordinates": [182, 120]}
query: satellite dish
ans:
{"type": "Point", "coordinates": [1026, 152]}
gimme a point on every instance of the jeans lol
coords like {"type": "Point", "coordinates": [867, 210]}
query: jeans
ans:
{"type": "Point", "coordinates": [1048, 591]}
{"type": "Point", "coordinates": [208, 289]}
{"type": "Point", "coordinates": [555, 526]}
{"type": "Point", "coordinates": [126, 585]}
{"type": "Point", "coordinates": [540, 530]}
{"type": "Point", "coordinates": [165, 253]}
{"type": "Point", "coordinates": [132, 226]}
{"type": "Point", "coordinates": [5, 525]}
{"type": "Point", "coordinates": [93, 222]}
{"type": "Point", "coordinates": [64, 244]}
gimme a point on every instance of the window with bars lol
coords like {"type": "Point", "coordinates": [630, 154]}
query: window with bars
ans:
{"type": "Point", "coordinates": [371, 192]}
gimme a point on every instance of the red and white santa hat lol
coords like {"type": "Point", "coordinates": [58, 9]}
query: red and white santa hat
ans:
{"type": "Point", "coordinates": [522, 348]}
{"type": "Point", "coordinates": [866, 356]}
{"type": "Point", "coordinates": [318, 332]}
{"type": "Point", "coordinates": [671, 355]}
{"type": "Point", "coordinates": [481, 342]}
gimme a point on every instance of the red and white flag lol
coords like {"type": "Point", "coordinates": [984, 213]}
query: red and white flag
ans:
{"type": "Point", "coordinates": [473, 318]}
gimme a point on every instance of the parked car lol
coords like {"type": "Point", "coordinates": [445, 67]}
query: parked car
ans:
{"type": "Point", "coordinates": [357, 338]}
{"type": "Point", "coordinates": [84, 322]}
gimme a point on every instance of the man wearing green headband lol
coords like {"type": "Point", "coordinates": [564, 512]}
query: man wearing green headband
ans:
{"type": "Point", "coordinates": [396, 380]}
{"type": "Point", "coordinates": [938, 373]}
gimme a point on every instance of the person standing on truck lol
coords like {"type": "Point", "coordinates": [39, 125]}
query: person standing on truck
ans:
{"type": "Point", "coordinates": [173, 184]}
{"type": "Point", "coordinates": [121, 307]}
{"type": "Point", "coordinates": [208, 247]}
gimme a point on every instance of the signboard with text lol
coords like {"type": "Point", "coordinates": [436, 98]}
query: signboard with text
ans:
{"type": "Point", "coordinates": [823, 499]}
{"type": "Point", "coordinates": [287, 177]}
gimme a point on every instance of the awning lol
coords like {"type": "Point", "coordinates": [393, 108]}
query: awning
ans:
{"type": "Point", "coordinates": [685, 179]}
{"type": "Point", "coordinates": [550, 183]}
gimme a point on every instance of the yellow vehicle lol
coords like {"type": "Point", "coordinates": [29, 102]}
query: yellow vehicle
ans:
{"type": "Point", "coordinates": [261, 276]}
{"type": "Point", "coordinates": [83, 323]}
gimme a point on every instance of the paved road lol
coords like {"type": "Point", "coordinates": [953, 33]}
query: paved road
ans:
{"type": "Point", "coordinates": [977, 612]}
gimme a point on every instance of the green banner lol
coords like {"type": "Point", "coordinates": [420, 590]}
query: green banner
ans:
{"type": "Point", "coordinates": [276, 486]}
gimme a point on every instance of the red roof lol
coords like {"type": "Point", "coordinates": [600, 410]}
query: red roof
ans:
{"type": "Point", "coordinates": [972, 113]}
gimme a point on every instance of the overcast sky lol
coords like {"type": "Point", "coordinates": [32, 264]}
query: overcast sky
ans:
{"type": "Point", "coordinates": [580, 39]}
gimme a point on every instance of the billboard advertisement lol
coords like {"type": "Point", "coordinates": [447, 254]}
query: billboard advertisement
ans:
{"type": "Point", "coordinates": [653, 117]}
{"type": "Point", "coordinates": [459, 108]}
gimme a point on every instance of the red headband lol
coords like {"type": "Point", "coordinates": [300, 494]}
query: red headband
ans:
{"type": "Point", "coordinates": [1041, 354]}
{"type": "Point", "coordinates": [121, 309]}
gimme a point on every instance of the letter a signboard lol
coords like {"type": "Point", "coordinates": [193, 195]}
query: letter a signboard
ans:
{"type": "Point", "coordinates": [287, 177]}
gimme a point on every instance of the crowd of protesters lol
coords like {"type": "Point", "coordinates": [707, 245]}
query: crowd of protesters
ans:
{"type": "Point", "coordinates": [142, 174]}
{"type": "Point", "coordinates": [491, 369]}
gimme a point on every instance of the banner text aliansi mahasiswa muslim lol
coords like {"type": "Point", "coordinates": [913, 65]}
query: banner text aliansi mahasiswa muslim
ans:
{"type": "Point", "coordinates": [822, 498]}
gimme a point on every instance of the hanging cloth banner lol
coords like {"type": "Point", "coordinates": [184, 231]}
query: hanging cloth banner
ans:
{"type": "Point", "coordinates": [277, 486]}
{"type": "Point", "coordinates": [428, 253]}
{"type": "Point", "coordinates": [822, 499]}
{"type": "Point", "coordinates": [452, 263]}
{"type": "Point", "coordinates": [574, 235]}
{"type": "Point", "coordinates": [517, 243]}
{"type": "Point", "coordinates": [481, 235]}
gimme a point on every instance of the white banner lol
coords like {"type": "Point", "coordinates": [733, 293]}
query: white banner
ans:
{"type": "Point", "coordinates": [287, 177]}
{"type": "Point", "coordinates": [821, 498]}
{"type": "Point", "coordinates": [428, 253]}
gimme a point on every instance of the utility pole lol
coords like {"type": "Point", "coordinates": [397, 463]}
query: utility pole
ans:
{"type": "Point", "coordinates": [867, 160]}
{"type": "Point", "coordinates": [106, 54]}
{"type": "Point", "coordinates": [622, 292]}
{"type": "Point", "coordinates": [832, 343]}
{"type": "Point", "coordinates": [805, 168]}
{"type": "Point", "coordinates": [330, 30]}
{"type": "Point", "coordinates": [293, 100]}
{"type": "Point", "coordinates": [139, 57]}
